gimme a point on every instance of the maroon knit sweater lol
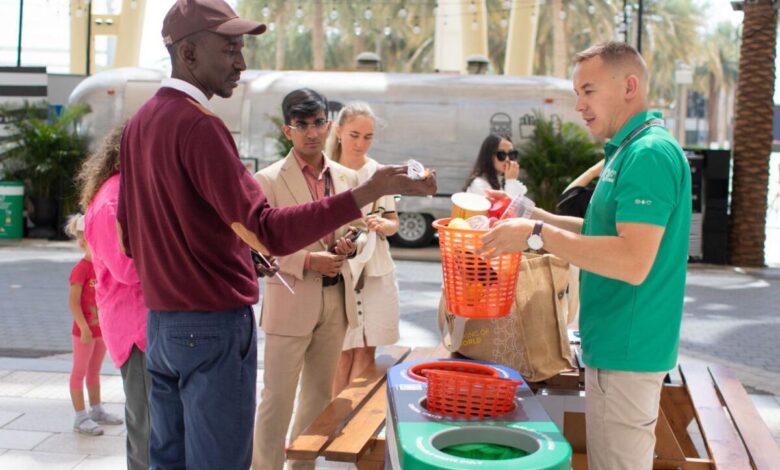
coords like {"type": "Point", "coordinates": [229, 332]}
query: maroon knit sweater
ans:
{"type": "Point", "coordinates": [182, 189]}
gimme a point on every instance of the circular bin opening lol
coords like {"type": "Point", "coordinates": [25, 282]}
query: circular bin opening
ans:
{"type": "Point", "coordinates": [417, 371]}
{"type": "Point", "coordinates": [485, 443]}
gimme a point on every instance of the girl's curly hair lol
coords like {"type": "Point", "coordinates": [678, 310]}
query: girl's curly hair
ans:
{"type": "Point", "coordinates": [99, 166]}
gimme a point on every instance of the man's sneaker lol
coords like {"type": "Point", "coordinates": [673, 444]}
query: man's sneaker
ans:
{"type": "Point", "coordinates": [104, 417]}
{"type": "Point", "coordinates": [87, 426]}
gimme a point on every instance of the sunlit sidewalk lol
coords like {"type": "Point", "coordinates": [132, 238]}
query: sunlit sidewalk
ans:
{"type": "Point", "coordinates": [36, 419]}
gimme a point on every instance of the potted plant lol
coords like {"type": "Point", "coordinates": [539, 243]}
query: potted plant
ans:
{"type": "Point", "coordinates": [45, 153]}
{"type": "Point", "coordinates": [553, 156]}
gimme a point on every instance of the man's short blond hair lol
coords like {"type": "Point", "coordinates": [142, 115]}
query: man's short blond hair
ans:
{"type": "Point", "coordinates": [614, 53]}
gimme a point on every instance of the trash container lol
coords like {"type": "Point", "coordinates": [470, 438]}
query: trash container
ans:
{"type": "Point", "coordinates": [11, 209]}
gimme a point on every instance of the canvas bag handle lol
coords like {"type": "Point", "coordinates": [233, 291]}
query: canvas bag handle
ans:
{"type": "Point", "coordinates": [450, 339]}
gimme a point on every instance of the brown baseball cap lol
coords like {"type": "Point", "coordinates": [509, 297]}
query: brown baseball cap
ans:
{"type": "Point", "coordinates": [191, 16]}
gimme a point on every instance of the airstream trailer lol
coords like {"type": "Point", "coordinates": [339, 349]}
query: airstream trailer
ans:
{"type": "Point", "coordinates": [438, 119]}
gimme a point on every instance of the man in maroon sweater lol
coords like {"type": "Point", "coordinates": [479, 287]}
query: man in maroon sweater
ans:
{"type": "Point", "coordinates": [188, 213]}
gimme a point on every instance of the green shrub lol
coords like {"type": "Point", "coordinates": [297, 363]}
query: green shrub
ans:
{"type": "Point", "coordinates": [42, 152]}
{"type": "Point", "coordinates": [555, 154]}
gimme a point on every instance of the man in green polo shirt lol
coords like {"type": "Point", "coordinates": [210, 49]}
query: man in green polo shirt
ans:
{"type": "Point", "coordinates": [632, 248]}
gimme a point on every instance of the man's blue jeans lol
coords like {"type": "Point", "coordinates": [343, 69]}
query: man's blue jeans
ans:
{"type": "Point", "coordinates": [203, 367]}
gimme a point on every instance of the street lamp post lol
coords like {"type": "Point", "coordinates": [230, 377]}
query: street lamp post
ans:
{"type": "Point", "coordinates": [639, 27]}
{"type": "Point", "coordinates": [89, 35]}
{"type": "Point", "coordinates": [623, 19]}
{"type": "Point", "coordinates": [19, 41]}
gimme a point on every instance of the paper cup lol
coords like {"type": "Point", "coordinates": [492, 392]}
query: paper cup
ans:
{"type": "Point", "coordinates": [467, 205]}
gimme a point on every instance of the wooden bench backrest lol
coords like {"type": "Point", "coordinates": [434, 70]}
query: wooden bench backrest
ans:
{"type": "Point", "coordinates": [723, 443]}
{"type": "Point", "coordinates": [760, 445]}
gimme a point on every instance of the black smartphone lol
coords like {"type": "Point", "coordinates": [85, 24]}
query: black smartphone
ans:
{"type": "Point", "coordinates": [355, 234]}
{"type": "Point", "coordinates": [351, 237]}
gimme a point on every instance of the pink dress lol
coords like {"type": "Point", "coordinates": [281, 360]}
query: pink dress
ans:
{"type": "Point", "coordinates": [121, 308]}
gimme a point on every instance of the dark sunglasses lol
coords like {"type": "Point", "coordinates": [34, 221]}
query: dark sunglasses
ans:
{"type": "Point", "coordinates": [512, 154]}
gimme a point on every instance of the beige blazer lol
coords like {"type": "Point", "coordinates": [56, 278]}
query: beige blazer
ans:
{"type": "Point", "coordinates": [297, 314]}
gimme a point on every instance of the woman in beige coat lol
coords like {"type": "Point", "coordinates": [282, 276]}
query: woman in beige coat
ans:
{"type": "Point", "coordinates": [373, 271]}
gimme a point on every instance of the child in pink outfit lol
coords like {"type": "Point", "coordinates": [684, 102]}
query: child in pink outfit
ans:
{"type": "Point", "coordinates": [119, 296]}
{"type": "Point", "coordinates": [88, 347]}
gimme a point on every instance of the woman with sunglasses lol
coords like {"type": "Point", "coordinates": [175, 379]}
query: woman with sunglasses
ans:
{"type": "Point", "coordinates": [496, 168]}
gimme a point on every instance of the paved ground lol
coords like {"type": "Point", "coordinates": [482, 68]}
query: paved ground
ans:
{"type": "Point", "coordinates": [730, 319]}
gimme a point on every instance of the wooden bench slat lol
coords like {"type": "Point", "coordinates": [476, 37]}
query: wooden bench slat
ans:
{"type": "Point", "coordinates": [666, 445]}
{"type": "Point", "coordinates": [687, 464]}
{"type": "Point", "coordinates": [375, 451]}
{"type": "Point", "coordinates": [424, 353]}
{"type": "Point", "coordinates": [723, 443]}
{"type": "Point", "coordinates": [760, 444]}
{"type": "Point", "coordinates": [309, 444]}
{"type": "Point", "coordinates": [355, 437]}
{"type": "Point", "coordinates": [676, 405]}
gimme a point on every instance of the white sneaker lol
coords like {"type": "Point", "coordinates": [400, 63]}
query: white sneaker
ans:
{"type": "Point", "coordinates": [87, 426]}
{"type": "Point", "coordinates": [104, 417]}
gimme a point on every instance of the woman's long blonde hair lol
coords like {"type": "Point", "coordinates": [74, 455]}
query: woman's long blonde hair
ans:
{"type": "Point", "coordinates": [350, 111]}
{"type": "Point", "coordinates": [99, 167]}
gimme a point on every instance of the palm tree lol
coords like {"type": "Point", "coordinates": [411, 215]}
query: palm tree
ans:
{"type": "Point", "coordinates": [318, 37]}
{"type": "Point", "coordinates": [307, 35]}
{"type": "Point", "coordinates": [753, 134]}
{"type": "Point", "coordinates": [670, 35]}
{"type": "Point", "coordinates": [720, 69]}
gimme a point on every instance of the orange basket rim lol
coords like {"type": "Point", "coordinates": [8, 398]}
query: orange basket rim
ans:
{"type": "Point", "coordinates": [441, 224]}
{"type": "Point", "coordinates": [471, 377]}
{"type": "Point", "coordinates": [415, 370]}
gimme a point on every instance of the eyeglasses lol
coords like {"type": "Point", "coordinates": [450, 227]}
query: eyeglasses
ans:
{"type": "Point", "coordinates": [318, 125]}
{"type": "Point", "coordinates": [512, 154]}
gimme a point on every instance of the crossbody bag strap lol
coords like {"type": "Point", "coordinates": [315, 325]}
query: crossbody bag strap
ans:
{"type": "Point", "coordinates": [654, 122]}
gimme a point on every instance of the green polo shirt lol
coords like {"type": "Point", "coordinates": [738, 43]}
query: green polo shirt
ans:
{"type": "Point", "coordinates": [637, 328]}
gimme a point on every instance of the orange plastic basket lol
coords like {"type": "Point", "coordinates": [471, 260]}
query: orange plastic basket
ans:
{"type": "Point", "coordinates": [419, 371]}
{"type": "Point", "coordinates": [475, 287]}
{"type": "Point", "coordinates": [465, 395]}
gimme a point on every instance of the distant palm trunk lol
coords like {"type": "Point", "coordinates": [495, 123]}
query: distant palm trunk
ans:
{"type": "Point", "coordinates": [753, 134]}
{"type": "Point", "coordinates": [713, 109]}
{"type": "Point", "coordinates": [559, 40]}
{"type": "Point", "coordinates": [280, 36]}
{"type": "Point", "coordinates": [318, 37]}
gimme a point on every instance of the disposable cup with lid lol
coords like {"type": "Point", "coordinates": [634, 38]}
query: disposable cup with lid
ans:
{"type": "Point", "coordinates": [520, 206]}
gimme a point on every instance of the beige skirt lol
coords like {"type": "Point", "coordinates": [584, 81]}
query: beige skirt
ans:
{"type": "Point", "coordinates": [378, 313]}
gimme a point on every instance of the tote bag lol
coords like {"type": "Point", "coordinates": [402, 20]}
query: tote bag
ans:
{"type": "Point", "coordinates": [533, 338]}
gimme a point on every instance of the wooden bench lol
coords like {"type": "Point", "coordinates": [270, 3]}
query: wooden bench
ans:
{"type": "Point", "coordinates": [734, 435]}
{"type": "Point", "coordinates": [348, 429]}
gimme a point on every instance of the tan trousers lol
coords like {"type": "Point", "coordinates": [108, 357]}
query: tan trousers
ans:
{"type": "Point", "coordinates": [314, 358]}
{"type": "Point", "coordinates": [621, 409]}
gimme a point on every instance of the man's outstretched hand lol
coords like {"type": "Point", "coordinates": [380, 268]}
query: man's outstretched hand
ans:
{"type": "Point", "coordinates": [392, 179]}
{"type": "Point", "coordinates": [262, 269]}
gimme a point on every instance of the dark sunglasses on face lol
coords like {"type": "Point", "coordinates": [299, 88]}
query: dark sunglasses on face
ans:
{"type": "Point", "coordinates": [512, 154]}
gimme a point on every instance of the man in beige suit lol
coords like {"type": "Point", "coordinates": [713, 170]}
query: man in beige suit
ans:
{"type": "Point", "coordinates": [303, 331]}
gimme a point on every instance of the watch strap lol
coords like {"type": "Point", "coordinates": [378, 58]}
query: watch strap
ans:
{"type": "Point", "coordinates": [538, 228]}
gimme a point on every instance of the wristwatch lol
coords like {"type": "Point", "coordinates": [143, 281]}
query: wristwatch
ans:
{"type": "Point", "coordinates": [535, 241]}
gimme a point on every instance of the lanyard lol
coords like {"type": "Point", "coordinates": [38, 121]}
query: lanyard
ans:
{"type": "Point", "coordinates": [326, 192]}
{"type": "Point", "coordinates": [654, 122]}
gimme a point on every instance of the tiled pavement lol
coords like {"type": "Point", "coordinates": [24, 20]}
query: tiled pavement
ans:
{"type": "Point", "coordinates": [730, 319]}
